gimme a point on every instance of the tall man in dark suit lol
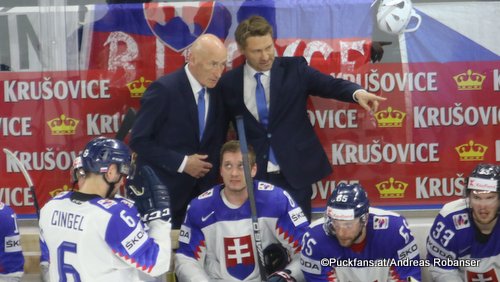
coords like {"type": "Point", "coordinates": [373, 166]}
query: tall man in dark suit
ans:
{"type": "Point", "coordinates": [271, 94]}
{"type": "Point", "coordinates": [181, 126]}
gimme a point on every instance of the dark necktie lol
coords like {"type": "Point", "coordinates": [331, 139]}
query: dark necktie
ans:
{"type": "Point", "coordinates": [201, 111]}
{"type": "Point", "coordinates": [260, 96]}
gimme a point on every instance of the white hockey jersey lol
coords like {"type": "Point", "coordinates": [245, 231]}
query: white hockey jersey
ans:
{"type": "Point", "coordinates": [388, 245]}
{"type": "Point", "coordinates": [94, 239]}
{"type": "Point", "coordinates": [454, 239]}
{"type": "Point", "coordinates": [11, 253]}
{"type": "Point", "coordinates": [217, 243]}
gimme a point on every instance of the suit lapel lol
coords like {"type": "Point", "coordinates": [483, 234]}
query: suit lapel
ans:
{"type": "Point", "coordinates": [212, 109]}
{"type": "Point", "coordinates": [188, 96]}
{"type": "Point", "coordinates": [239, 96]}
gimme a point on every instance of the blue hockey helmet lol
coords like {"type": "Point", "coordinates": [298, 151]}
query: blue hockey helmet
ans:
{"type": "Point", "coordinates": [484, 177]}
{"type": "Point", "coordinates": [347, 202]}
{"type": "Point", "coordinates": [101, 152]}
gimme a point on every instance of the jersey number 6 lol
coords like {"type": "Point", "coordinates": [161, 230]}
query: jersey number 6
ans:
{"type": "Point", "coordinates": [64, 268]}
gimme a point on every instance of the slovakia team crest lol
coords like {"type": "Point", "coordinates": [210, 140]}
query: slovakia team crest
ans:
{"type": "Point", "coordinates": [489, 276]}
{"type": "Point", "coordinates": [178, 24]}
{"type": "Point", "coordinates": [239, 256]}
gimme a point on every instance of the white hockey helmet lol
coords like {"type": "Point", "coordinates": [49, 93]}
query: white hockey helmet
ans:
{"type": "Point", "coordinates": [393, 16]}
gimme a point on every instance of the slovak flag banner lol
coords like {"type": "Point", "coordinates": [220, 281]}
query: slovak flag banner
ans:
{"type": "Point", "coordinates": [440, 74]}
{"type": "Point", "coordinates": [168, 29]}
{"type": "Point", "coordinates": [178, 25]}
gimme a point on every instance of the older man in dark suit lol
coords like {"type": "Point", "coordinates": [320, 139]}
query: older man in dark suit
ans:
{"type": "Point", "coordinates": [271, 95]}
{"type": "Point", "coordinates": [181, 126]}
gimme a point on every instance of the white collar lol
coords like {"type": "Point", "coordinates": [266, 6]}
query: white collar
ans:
{"type": "Point", "coordinates": [195, 85]}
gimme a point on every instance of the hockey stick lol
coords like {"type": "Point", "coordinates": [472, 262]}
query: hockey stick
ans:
{"type": "Point", "coordinates": [27, 177]}
{"type": "Point", "coordinates": [127, 123]}
{"type": "Point", "coordinates": [125, 127]}
{"type": "Point", "coordinates": [249, 183]}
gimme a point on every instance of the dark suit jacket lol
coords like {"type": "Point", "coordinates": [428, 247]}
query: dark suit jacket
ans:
{"type": "Point", "coordinates": [298, 150]}
{"type": "Point", "coordinates": [166, 129]}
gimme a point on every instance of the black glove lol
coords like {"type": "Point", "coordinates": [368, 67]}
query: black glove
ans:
{"type": "Point", "coordinates": [150, 195]}
{"type": "Point", "coordinates": [276, 258]}
{"type": "Point", "coordinates": [281, 276]}
{"type": "Point", "coordinates": [377, 50]}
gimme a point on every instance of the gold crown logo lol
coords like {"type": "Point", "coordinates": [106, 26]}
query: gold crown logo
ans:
{"type": "Point", "coordinates": [471, 151]}
{"type": "Point", "coordinates": [469, 81]}
{"type": "Point", "coordinates": [390, 118]}
{"type": "Point", "coordinates": [391, 188]}
{"type": "Point", "coordinates": [63, 125]}
{"type": "Point", "coordinates": [138, 87]}
{"type": "Point", "coordinates": [54, 192]}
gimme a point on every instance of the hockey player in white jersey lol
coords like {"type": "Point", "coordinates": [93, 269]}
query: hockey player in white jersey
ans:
{"type": "Point", "coordinates": [463, 243]}
{"type": "Point", "coordinates": [216, 239]}
{"type": "Point", "coordinates": [92, 236]}
{"type": "Point", "coordinates": [354, 242]}
{"type": "Point", "coordinates": [77, 178]}
{"type": "Point", "coordinates": [11, 253]}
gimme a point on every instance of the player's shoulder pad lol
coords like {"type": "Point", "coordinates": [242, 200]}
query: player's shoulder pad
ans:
{"type": "Point", "coordinates": [316, 231]}
{"type": "Point", "coordinates": [382, 219]}
{"type": "Point", "coordinates": [204, 199]}
{"type": "Point", "coordinates": [459, 205]}
{"type": "Point", "coordinates": [316, 227]}
{"type": "Point", "coordinates": [455, 214]}
{"type": "Point", "coordinates": [62, 194]}
{"type": "Point", "coordinates": [270, 194]}
{"type": "Point", "coordinates": [5, 211]}
{"type": "Point", "coordinates": [264, 186]}
{"type": "Point", "coordinates": [381, 212]}
{"type": "Point", "coordinates": [127, 202]}
{"type": "Point", "coordinates": [207, 194]}
{"type": "Point", "coordinates": [317, 222]}
{"type": "Point", "coordinates": [106, 203]}
{"type": "Point", "coordinates": [116, 205]}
